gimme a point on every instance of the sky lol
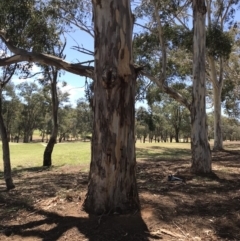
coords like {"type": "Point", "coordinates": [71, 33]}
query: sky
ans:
{"type": "Point", "coordinates": [76, 83]}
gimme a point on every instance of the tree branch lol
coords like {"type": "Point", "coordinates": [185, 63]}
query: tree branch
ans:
{"type": "Point", "coordinates": [162, 43]}
{"type": "Point", "coordinates": [45, 59]}
{"type": "Point", "coordinates": [168, 90]}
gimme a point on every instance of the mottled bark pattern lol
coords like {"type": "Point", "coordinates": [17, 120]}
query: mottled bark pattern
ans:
{"type": "Point", "coordinates": [201, 154]}
{"type": "Point", "coordinates": [112, 182]}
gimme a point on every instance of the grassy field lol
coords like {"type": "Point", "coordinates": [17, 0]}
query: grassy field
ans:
{"type": "Point", "coordinates": [31, 154]}
{"type": "Point", "coordinates": [72, 153]}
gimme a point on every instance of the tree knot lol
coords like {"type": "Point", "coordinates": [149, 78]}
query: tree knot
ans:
{"type": "Point", "coordinates": [109, 77]}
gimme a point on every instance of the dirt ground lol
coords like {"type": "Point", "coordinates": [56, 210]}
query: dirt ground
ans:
{"type": "Point", "coordinates": [46, 204]}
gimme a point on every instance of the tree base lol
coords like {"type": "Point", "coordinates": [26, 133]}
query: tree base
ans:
{"type": "Point", "coordinates": [47, 164]}
{"type": "Point", "coordinates": [117, 210]}
{"type": "Point", "coordinates": [210, 175]}
{"type": "Point", "coordinates": [9, 184]}
{"type": "Point", "coordinates": [98, 204]}
{"type": "Point", "coordinates": [216, 149]}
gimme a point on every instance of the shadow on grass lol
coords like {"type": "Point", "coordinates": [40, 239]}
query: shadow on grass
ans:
{"type": "Point", "coordinates": [158, 152]}
{"type": "Point", "coordinates": [203, 203]}
{"type": "Point", "coordinates": [92, 227]}
{"type": "Point", "coordinates": [33, 187]}
{"type": "Point", "coordinates": [20, 169]}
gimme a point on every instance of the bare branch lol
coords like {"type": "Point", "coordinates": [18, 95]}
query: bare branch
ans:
{"type": "Point", "coordinates": [85, 28]}
{"type": "Point", "coordinates": [162, 43]}
{"type": "Point", "coordinates": [141, 92]}
{"type": "Point", "coordinates": [83, 50]}
{"type": "Point", "coordinates": [30, 75]}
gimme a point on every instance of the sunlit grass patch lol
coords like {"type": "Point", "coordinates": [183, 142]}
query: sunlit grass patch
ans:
{"type": "Point", "coordinates": [29, 155]}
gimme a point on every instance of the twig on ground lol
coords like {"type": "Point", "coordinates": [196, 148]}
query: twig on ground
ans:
{"type": "Point", "coordinates": [179, 229]}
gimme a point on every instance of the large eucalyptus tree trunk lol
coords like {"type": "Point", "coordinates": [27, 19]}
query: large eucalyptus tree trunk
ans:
{"type": "Point", "coordinates": [6, 152]}
{"type": "Point", "coordinates": [112, 183]}
{"type": "Point", "coordinates": [47, 156]}
{"type": "Point", "coordinates": [201, 154]}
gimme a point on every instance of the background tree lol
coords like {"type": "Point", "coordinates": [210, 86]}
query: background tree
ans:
{"type": "Point", "coordinates": [7, 74]}
{"type": "Point", "coordinates": [168, 12]}
{"type": "Point", "coordinates": [33, 105]}
{"type": "Point", "coordinates": [174, 115]}
{"type": "Point", "coordinates": [83, 118]}
{"type": "Point", "coordinates": [51, 74]}
{"type": "Point", "coordinates": [11, 107]}
{"type": "Point", "coordinates": [219, 47]}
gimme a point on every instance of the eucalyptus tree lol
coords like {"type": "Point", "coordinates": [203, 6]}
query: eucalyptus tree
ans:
{"type": "Point", "coordinates": [51, 75]}
{"type": "Point", "coordinates": [7, 73]}
{"type": "Point", "coordinates": [164, 16]}
{"type": "Point", "coordinates": [201, 154]}
{"type": "Point", "coordinates": [220, 16]}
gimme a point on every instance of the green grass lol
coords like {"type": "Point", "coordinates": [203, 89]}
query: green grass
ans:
{"type": "Point", "coordinates": [31, 154]}
{"type": "Point", "coordinates": [78, 153]}
{"type": "Point", "coordinates": [163, 150]}
{"type": "Point", "coordinates": [73, 153]}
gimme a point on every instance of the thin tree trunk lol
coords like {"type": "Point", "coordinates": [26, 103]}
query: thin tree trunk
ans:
{"type": "Point", "coordinates": [47, 156]}
{"type": "Point", "coordinates": [26, 136]}
{"type": "Point", "coordinates": [201, 154]}
{"type": "Point", "coordinates": [112, 182]}
{"type": "Point", "coordinates": [177, 135]}
{"type": "Point", "coordinates": [217, 90]}
{"type": "Point", "coordinates": [218, 140]}
{"type": "Point", "coordinates": [6, 152]}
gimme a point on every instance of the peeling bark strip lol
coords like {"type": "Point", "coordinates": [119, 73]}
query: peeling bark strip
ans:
{"type": "Point", "coordinates": [201, 154]}
{"type": "Point", "coordinates": [112, 182]}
